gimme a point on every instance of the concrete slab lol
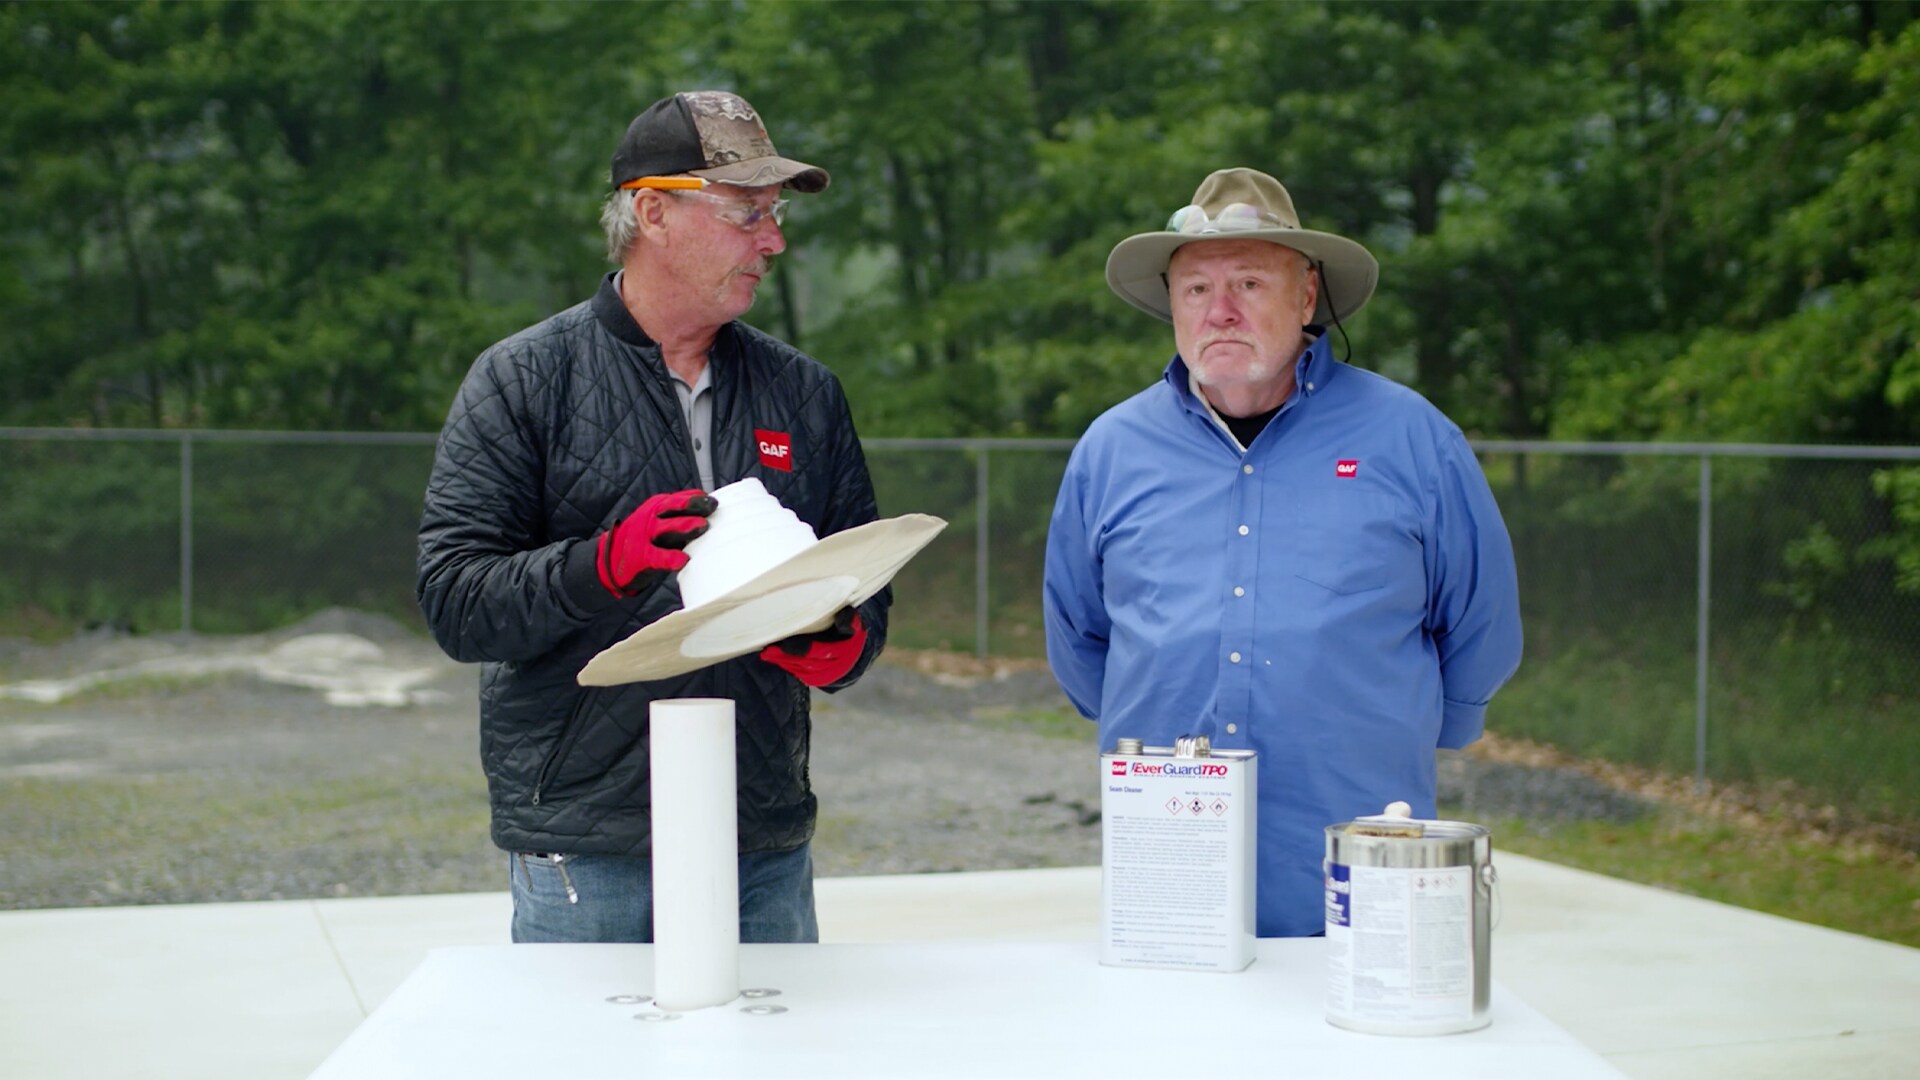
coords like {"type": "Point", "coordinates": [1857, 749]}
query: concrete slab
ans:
{"type": "Point", "coordinates": [1656, 980]}
{"type": "Point", "coordinates": [380, 940]}
{"type": "Point", "coordinates": [212, 991]}
{"type": "Point", "coordinates": [1864, 1057]}
{"type": "Point", "coordinates": [1660, 984]}
{"type": "Point", "coordinates": [993, 905]}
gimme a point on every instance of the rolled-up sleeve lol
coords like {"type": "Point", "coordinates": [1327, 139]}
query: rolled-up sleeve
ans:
{"type": "Point", "coordinates": [1076, 613]}
{"type": "Point", "coordinates": [1473, 609]}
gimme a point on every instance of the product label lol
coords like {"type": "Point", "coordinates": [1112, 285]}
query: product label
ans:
{"type": "Point", "coordinates": [1400, 944]}
{"type": "Point", "coordinates": [1177, 863]}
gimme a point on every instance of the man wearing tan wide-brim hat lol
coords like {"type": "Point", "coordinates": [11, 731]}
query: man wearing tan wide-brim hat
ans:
{"type": "Point", "coordinates": [1274, 549]}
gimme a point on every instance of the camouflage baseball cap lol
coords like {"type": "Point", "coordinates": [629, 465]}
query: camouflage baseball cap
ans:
{"type": "Point", "coordinates": [710, 134]}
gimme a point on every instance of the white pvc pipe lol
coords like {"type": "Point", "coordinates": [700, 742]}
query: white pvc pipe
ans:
{"type": "Point", "coordinates": [696, 868]}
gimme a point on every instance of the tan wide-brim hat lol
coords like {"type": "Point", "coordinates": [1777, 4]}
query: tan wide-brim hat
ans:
{"type": "Point", "coordinates": [1137, 268]}
{"type": "Point", "coordinates": [798, 596]}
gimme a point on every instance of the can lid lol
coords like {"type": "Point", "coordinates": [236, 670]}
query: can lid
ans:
{"type": "Point", "coordinates": [1383, 827]}
{"type": "Point", "coordinates": [1193, 746]}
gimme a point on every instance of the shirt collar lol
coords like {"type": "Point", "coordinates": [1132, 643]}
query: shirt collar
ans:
{"type": "Point", "coordinates": [700, 385]}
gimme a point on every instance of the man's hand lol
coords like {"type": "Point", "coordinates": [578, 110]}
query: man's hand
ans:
{"type": "Point", "coordinates": [634, 555]}
{"type": "Point", "coordinates": [822, 657]}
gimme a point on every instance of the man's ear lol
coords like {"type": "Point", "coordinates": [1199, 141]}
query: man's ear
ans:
{"type": "Point", "coordinates": [650, 211]}
{"type": "Point", "coordinates": [1313, 293]}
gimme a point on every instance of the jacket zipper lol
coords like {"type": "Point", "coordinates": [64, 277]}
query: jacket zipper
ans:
{"type": "Point", "coordinates": [568, 735]}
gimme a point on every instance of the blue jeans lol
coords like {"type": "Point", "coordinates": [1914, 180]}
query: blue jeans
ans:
{"type": "Point", "coordinates": [612, 897]}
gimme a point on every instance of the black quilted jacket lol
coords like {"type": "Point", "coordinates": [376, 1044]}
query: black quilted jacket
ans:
{"type": "Point", "coordinates": [559, 432]}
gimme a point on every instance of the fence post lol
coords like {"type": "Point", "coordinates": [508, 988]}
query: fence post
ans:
{"type": "Point", "coordinates": [1704, 583]}
{"type": "Point", "coordinates": [186, 532]}
{"type": "Point", "coordinates": [980, 556]}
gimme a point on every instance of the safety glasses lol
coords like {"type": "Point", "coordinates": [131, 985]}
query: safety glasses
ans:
{"type": "Point", "coordinates": [741, 215]}
{"type": "Point", "coordinates": [1234, 217]}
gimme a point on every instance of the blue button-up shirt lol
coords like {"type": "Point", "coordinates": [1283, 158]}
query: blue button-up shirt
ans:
{"type": "Point", "coordinates": [1339, 597]}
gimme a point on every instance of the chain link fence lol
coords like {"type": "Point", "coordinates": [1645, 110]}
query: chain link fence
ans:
{"type": "Point", "coordinates": [1735, 613]}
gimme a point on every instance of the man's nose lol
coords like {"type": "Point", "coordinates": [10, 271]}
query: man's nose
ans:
{"type": "Point", "coordinates": [1222, 310]}
{"type": "Point", "coordinates": [768, 239]}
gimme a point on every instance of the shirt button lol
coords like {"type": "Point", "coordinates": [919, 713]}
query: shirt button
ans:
{"type": "Point", "coordinates": [1243, 530]}
{"type": "Point", "coordinates": [1309, 386]}
{"type": "Point", "coordinates": [1248, 469]}
{"type": "Point", "coordinates": [1231, 728]}
{"type": "Point", "coordinates": [1235, 657]}
{"type": "Point", "coordinates": [1238, 591]}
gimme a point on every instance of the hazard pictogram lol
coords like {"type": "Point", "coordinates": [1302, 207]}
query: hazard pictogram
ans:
{"type": "Point", "coordinates": [1196, 806]}
{"type": "Point", "coordinates": [1219, 807]}
{"type": "Point", "coordinates": [1173, 806]}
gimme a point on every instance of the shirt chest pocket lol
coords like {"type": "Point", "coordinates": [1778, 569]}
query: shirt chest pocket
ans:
{"type": "Point", "coordinates": [1348, 542]}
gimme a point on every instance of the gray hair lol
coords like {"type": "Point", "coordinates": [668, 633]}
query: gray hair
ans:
{"type": "Point", "coordinates": [617, 218]}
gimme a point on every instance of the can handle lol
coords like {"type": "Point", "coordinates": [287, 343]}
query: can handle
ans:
{"type": "Point", "coordinates": [1491, 878]}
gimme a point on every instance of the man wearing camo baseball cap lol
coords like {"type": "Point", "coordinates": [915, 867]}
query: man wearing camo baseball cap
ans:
{"type": "Point", "coordinates": [572, 471]}
{"type": "Point", "coordinates": [710, 135]}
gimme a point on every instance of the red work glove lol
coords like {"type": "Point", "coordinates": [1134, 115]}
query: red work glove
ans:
{"type": "Point", "coordinates": [634, 555]}
{"type": "Point", "coordinates": [824, 656]}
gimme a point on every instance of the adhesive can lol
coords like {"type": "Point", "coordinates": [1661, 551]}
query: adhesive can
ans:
{"type": "Point", "coordinates": [1177, 856]}
{"type": "Point", "coordinates": [1408, 925]}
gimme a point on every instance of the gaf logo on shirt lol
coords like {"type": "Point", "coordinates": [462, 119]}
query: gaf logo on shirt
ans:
{"type": "Point", "coordinates": [776, 449]}
{"type": "Point", "coordinates": [1346, 470]}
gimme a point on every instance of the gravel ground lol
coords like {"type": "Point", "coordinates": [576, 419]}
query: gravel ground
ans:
{"type": "Point", "coordinates": [229, 787]}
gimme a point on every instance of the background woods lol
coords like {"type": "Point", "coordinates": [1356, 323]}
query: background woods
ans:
{"type": "Point", "coordinates": [1605, 220]}
{"type": "Point", "coordinates": [1598, 221]}
{"type": "Point", "coordinates": [1591, 215]}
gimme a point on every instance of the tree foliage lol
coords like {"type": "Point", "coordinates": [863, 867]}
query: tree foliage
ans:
{"type": "Point", "coordinates": [1591, 216]}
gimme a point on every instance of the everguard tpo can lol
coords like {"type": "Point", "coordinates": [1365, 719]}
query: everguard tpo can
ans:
{"type": "Point", "coordinates": [1177, 856]}
{"type": "Point", "coordinates": [1408, 935]}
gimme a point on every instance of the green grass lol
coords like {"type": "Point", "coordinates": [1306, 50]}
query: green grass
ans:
{"type": "Point", "coordinates": [1049, 723]}
{"type": "Point", "coordinates": [174, 838]}
{"type": "Point", "coordinates": [1837, 720]}
{"type": "Point", "coordinates": [1847, 887]}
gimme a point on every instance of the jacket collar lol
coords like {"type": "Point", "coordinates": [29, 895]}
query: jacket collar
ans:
{"type": "Point", "coordinates": [613, 314]}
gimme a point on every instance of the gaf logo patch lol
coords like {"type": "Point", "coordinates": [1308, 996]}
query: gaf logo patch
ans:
{"type": "Point", "coordinates": [776, 449]}
{"type": "Point", "coordinates": [1346, 470]}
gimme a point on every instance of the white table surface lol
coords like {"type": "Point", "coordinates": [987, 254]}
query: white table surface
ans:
{"type": "Point", "coordinates": [962, 1009]}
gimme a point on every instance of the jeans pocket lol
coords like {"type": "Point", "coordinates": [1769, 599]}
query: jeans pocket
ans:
{"type": "Point", "coordinates": [550, 867]}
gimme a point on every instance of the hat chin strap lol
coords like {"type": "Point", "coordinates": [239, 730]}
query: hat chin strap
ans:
{"type": "Point", "coordinates": [1320, 268]}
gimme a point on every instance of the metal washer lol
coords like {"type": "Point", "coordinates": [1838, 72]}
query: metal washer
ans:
{"type": "Point", "coordinates": [629, 999]}
{"type": "Point", "coordinates": [763, 1010]}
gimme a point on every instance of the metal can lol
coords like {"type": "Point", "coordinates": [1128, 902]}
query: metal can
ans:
{"type": "Point", "coordinates": [1177, 856]}
{"type": "Point", "coordinates": [1408, 925]}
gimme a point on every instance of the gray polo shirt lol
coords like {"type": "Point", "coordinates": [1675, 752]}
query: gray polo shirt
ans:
{"type": "Point", "coordinates": [696, 404]}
